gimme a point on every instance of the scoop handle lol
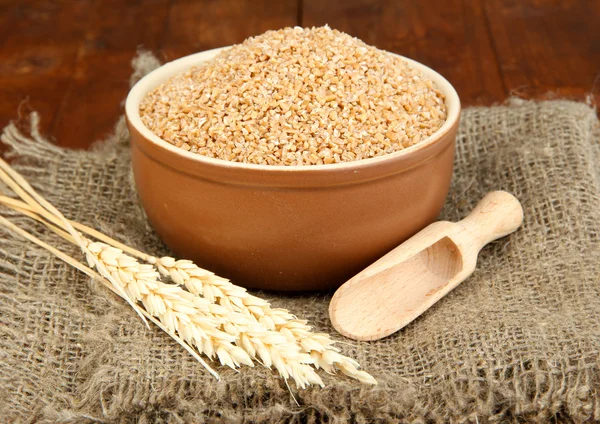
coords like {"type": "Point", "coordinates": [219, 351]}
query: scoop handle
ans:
{"type": "Point", "coordinates": [498, 214]}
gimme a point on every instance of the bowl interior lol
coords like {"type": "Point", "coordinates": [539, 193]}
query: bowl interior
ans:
{"type": "Point", "coordinates": [165, 72]}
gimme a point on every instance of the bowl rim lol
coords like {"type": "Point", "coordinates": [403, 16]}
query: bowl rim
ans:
{"type": "Point", "coordinates": [170, 69]}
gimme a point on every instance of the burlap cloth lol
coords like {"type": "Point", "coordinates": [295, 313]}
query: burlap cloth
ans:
{"type": "Point", "coordinates": [518, 341]}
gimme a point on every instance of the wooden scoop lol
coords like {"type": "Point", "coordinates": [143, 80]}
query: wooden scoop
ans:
{"type": "Point", "coordinates": [407, 281]}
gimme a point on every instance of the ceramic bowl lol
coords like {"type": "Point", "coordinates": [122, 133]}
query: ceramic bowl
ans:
{"type": "Point", "coordinates": [287, 228]}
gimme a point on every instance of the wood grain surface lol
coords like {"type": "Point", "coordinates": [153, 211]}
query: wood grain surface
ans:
{"type": "Point", "coordinates": [70, 60]}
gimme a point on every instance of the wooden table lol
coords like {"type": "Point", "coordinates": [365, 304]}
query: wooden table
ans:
{"type": "Point", "coordinates": [71, 59]}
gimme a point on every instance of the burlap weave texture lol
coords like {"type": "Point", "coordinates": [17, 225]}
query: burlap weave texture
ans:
{"type": "Point", "coordinates": [518, 341]}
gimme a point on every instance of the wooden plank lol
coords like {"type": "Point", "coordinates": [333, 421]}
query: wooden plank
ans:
{"type": "Point", "coordinates": [37, 55]}
{"type": "Point", "coordinates": [100, 82]}
{"type": "Point", "coordinates": [195, 26]}
{"type": "Point", "coordinates": [547, 46]}
{"type": "Point", "coordinates": [448, 36]}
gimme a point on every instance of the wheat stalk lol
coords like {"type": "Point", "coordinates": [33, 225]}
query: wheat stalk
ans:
{"type": "Point", "coordinates": [215, 289]}
{"type": "Point", "coordinates": [212, 316]}
{"type": "Point", "coordinates": [319, 346]}
{"type": "Point", "coordinates": [209, 327]}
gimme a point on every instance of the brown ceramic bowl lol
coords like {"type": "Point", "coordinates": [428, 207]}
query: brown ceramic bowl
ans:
{"type": "Point", "coordinates": [287, 227]}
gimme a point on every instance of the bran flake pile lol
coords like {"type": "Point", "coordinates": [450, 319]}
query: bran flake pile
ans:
{"type": "Point", "coordinates": [297, 96]}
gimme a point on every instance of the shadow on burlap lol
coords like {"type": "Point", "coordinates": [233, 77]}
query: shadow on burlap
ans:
{"type": "Point", "coordinates": [518, 341]}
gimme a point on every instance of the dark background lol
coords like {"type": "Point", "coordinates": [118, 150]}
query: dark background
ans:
{"type": "Point", "coordinates": [71, 59]}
